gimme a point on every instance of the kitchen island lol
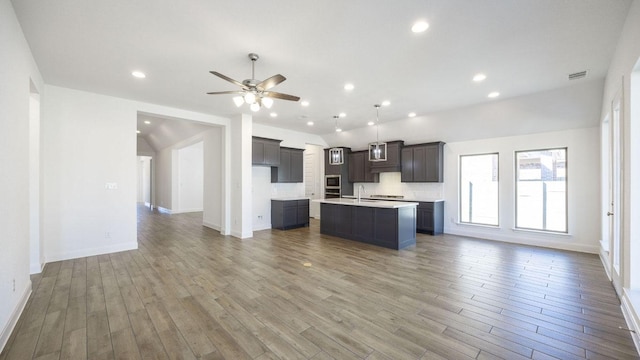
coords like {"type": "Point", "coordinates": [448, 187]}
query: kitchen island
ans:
{"type": "Point", "coordinates": [389, 224]}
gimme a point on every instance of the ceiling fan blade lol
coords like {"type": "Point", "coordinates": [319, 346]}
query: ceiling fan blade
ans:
{"type": "Point", "coordinates": [225, 92]}
{"type": "Point", "coordinates": [277, 95]}
{"type": "Point", "coordinates": [225, 77]}
{"type": "Point", "coordinates": [271, 82]}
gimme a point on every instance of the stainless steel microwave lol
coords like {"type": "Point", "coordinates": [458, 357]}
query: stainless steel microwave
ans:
{"type": "Point", "coordinates": [332, 181]}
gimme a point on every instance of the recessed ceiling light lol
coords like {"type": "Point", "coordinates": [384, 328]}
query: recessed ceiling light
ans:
{"type": "Point", "coordinates": [147, 122]}
{"type": "Point", "coordinates": [370, 123]}
{"type": "Point", "coordinates": [420, 26]}
{"type": "Point", "coordinates": [139, 74]}
{"type": "Point", "coordinates": [386, 103]}
{"type": "Point", "coordinates": [342, 114]}
{"type": "Point", "coordinates": [273, 114]}
{"type": "Point", "coordinates": [479, 77]}
{"type": "Point", "coordinates": [137, 131]}
{"type": "Point", "coordinates": [412, 114]}
{"type": "Point", "coordinates": [304, 103]}
{"type": "Point", "coordinates": [348, 86]}
{"type": "Point", "coordinates": [310, 123]}
{"type": "Point", "coordinates": [338, 130]}
{"type": "Point", "coordinates": [493, 94]}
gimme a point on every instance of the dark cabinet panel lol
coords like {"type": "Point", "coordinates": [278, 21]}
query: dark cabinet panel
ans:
{"type": "Point", "coordinates": [288, 214]}
{"type": "Point", "coordinates": [430, 217]}
{"type": "Point", "coordinates": [265, 151]}
{"type": "Point", "coordinates": [346, 185]}
{"type": "Point", "coordinates": [394, 228]}
{"type": "Point", "coordinates": [394, 160]}
{"type": "Point", "coordinates": [296, 166]}
{"type": "Point", "coordinates": [422, 163]}
{"type": "Point", "coordinates": [303, 212]}
{"type": "Point", "coordinates": [290, 169]}
{"type": "Point", "coordinates": [360, 168]}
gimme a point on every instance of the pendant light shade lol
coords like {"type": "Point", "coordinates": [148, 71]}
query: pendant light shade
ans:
{"type": "Point", "coordinates": [377, 150]}
{"type": "Point", "coordinates": [336, 156]}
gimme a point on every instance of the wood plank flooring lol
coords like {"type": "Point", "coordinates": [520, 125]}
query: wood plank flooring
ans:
{"type": "Point", "coordinates": [189, 293]}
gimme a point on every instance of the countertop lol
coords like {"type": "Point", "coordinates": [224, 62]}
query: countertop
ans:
{"type": "Point", "coordinates": [290, 198]}
{"type": "Point", "coordinates": [389, 199]}
{"type": "Point", "coordinates": [367, 202]}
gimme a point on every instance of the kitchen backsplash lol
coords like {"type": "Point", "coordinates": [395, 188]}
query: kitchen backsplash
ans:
{"type": "Point", "coordinates": [390, 184]}
{"type": "Point", "coordinates": [287, 189]}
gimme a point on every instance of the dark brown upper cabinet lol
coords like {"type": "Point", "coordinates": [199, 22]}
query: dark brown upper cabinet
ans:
{"type": "Point", "coordinates": [422, 162]}
{"type": "Point", "coordinates": [290, 169]}
{"type": "Point", "coordinates": [393, 163]}
{"type": "Point", "coordinates": [265, 151]}
{"type": "Point", "coordinates": [360, 168]}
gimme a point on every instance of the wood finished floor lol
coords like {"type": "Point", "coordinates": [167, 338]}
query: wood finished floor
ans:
{"type": "Point", "coordinates": [188, 292]}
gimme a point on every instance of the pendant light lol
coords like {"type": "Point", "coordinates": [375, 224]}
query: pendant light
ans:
{"type": "Point", "coordinates": [377, 150]}
{"type": "Point", "coordinates": [336, 154]}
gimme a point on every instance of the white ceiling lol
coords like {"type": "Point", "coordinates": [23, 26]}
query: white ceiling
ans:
{"type": "Point", "coordinates": [523, 46]}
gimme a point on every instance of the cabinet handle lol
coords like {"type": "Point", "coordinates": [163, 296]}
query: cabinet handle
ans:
{"type": "Point", "coordinates": [609, 213]}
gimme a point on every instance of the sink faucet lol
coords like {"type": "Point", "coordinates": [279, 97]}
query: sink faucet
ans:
{"type": "Point", "coordinates": [360, 188]}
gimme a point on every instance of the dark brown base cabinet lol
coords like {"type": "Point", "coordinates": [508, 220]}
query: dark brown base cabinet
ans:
{"type": "Point", "coordinates": [393, 228]}
{"type": "Point", "coordinates": [289, 214]}
{"type": "Point", "coordinates": [430, 217]}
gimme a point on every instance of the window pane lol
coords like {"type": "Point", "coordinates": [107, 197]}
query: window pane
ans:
{"type": "Point", "coordinates": [541, 189]}
{"type": "Point", "coordinates": [479, 189]}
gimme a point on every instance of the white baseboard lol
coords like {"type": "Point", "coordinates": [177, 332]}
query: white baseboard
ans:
{"type": "Point", "coordinates": [263, 227]}
{"type": "Point", "coordinates": [15, 315]}
{"type": "Point", "coordinates": [536, 240]}
{"type": "Point", "coordinates": [92, 251]}
{"type": "Point", "coordinates": [211, 225]}
{"type": "Point", "coordinates": [186, 211]}
{"type": "Point", "coordinates": [631, 315]}
{"type": "Point", "coordinates": [165, 210]}
{"type": "Point", "coordinates": [241, 235]}
{"type": "Point", "coordinates": [36, 268]}
{"type": "Point", "coordinates": [604, 258]}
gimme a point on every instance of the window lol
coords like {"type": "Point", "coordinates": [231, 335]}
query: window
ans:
{"type": "Point", "coordinates": [479, 189]}
{"type": "Point", "coordinates": [541, 190]}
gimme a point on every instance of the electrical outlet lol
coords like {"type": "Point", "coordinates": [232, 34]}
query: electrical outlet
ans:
{"type": "Point", "coordinates": [107, 235]}
{"type": "Point", "coordinates": [259, 217]}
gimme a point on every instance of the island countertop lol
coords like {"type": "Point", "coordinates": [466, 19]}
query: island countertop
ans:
{"type": "Point", "coordinates": [367, 202]}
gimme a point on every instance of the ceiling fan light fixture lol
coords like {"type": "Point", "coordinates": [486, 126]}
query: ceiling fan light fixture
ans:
{"type": "Point", "coordinates": [238, 100]}
{"type": "Point", "coordinates": [249, 98]}
{"type": "Point", "coordinates": [267, 102]}
{"type": "Point", "coordinates": [254, 107]}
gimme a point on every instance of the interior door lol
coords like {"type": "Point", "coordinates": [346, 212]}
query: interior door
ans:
{"type": "Point", "coordinates": [615, 192]}
{"type": "Point", "coordinates": [312, 178]}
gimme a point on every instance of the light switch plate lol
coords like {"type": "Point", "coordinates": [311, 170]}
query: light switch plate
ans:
{"type": "Point", "coordinates": [111, 186]}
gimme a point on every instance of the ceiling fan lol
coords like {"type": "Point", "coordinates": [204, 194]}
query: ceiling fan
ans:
{"type": "Point", "coordinates": [255, 92]}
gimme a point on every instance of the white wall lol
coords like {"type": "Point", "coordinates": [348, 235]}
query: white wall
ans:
{"type": "Point", "coordinates": [89, 140]}
{"type": "Point", "coordinates": [583, 186]}
{"type": "Point", "coordinates": [213, 178]}
{"type": "Point", "coordinates": [624, 62]}
{"type": "Point", "coordinates": [571, 107]}
{"type": "Point", "coordinates": [262, 188]}
{"type": "Point", "coordinates": [17, 70]}
{"type": "Point", "coordinates": [190, 175]}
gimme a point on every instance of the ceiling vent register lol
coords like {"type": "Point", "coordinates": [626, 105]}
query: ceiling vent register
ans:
{"type": "Point", "coordinates": [578, 75]}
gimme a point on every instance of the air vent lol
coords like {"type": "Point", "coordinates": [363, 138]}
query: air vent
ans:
{"type": "Point", "coordinates": [578, 75]}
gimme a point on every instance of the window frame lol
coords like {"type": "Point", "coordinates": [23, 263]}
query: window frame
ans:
{"type": "Point", "coordinates": [497, 225]}
{"type": "Point", "coordinates": [516, 173]}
